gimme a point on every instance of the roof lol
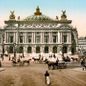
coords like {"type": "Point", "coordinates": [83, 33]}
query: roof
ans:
{"type": "Point", "coordinates": [38, 18]}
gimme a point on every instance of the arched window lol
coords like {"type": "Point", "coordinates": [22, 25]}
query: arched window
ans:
{"type": "Point", "coordinates": [46, 49]}
{"type": "Point", "coordinates": [10, 49]}
{"type": "Point", "coordinates": [29, 49]}
{"type": "Point", "coordinates": [20, 49]}
{"type": "Point", "coordinates": [64, 49]}
{"type": "Point", "coordinates": [54, 49]}
{"type": "Point", "coordinates": [37, 49]}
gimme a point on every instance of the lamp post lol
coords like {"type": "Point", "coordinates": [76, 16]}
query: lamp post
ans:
{"type": "Point", "coordinates": [14, 50]}
{"type": "Point", "coordinates": [62, 50]}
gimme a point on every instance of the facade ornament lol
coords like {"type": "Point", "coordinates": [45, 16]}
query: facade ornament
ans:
{"type": "Point", "coordinates": [63, 16]}
{"type": "Point", "coordinates": [37, 13]}
{"type": "Point", "coordinates": [12, 16]}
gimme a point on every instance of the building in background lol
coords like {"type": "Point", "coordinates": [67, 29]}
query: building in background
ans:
{"type": "Point", "coordinates": [82, 45]}
{"type": "Point", "coordinates": [39, 34]}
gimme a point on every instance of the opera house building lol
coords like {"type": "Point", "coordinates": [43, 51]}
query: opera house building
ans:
{"type": "Point", "coordinates": [38, 34]}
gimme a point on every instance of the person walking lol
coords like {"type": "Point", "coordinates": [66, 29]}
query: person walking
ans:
{"type": "Point", "coordinates": [47, 78]}
{"type": "Point", "coordinates": [83, 64]}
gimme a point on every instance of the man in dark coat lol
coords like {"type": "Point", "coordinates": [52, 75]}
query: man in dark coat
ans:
{"type": "Point", "coordinates": [83, 64]}
{"type": "Point", "coordinates": [47, 78]}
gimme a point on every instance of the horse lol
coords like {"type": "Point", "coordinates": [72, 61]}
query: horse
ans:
{"type": "Point", "coordinates": [52, 62]}
{"type": "Point", "coordinates": [66, 59]}
{"type": "Point", "coordinates": [20, 61]}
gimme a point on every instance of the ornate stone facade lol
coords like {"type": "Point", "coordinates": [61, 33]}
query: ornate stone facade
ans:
{"type": "Point", "coordinates": [39, 34]}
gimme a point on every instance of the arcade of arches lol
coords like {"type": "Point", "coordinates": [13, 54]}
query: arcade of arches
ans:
{"type": "Point", "coordinates": [39, 49]}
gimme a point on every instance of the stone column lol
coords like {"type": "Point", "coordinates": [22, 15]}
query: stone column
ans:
{"type": "Point", "coordinates": [42, 49]}
{"type": "Point", "coordinates": [41, 37]}
{"type": "Point", "coordinates": [70, 37]}
{"type": "Point", "coordinates": [32, 37]}
{"type": "Point", "coordinates": [25, 49]}
{"type": "Point", "coordinates": [50, 49]}
{"type": "Point", "coordinates": [33, 49]}
{"type": "Point", "coordinates": [17, 37]}
{"type": "Point", "coordinates": [59, 49]}
{"type": "Point", "coordinates": [4, 38]}
{"type": "Point", "coordinates": [25, 37]}
{"type": "Point", "coordinates": [58, 37]}
{"type": "Point", "coordinates": [50, 37]}
{"type": "Point", "coordinates": [61, 37]}
{"type": "Point", "coordinates": [14, 37]}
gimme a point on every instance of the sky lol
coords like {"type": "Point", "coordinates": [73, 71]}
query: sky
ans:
{"type": "Point", "coordinates": [75, 10]}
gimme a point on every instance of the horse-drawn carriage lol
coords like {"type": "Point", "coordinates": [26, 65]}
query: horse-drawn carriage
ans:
{"type": "Point", "coordinates": [54, 63]}
{"type": "Point", "coordinates": [20, 61]}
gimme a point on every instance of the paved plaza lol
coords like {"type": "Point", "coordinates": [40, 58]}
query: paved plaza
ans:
{"type": "Point", "coordinates": [33, 75]}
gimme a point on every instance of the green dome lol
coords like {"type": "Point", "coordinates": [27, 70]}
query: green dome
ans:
{"type": "Point", "coordinates": [38, 18]}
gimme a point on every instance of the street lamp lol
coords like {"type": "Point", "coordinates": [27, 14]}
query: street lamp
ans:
{"type": "Point", "coordinates": [14, 50]}
{"type": "Point", "coordinates": [62, 49]}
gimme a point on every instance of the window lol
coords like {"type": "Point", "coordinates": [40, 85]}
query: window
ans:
{"type": "Point", "coordinates": [37, 39]}
{"type": "Point", "coordinates": [54, 35]}
{"type": "Point", "coordinates": [54, 39]}
{"type": "Point", "coordinates": [64, 38]}
{"type": "Point", "coordinates": [10, 37]}
{"type": "Point", "coordinates": [29, 37]}
{"type": "Point", "coordinates": [21, 37]}
{"type": "Point", "coordinates": [54, 49]}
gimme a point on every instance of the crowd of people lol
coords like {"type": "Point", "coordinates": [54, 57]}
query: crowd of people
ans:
{"type": "Point", "coordinates": [51, 59]}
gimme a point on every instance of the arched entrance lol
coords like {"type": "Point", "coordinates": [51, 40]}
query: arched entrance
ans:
{"type": "Point", "coordinates": [20, 49]}
{"type": "Point", "coordinates": [46, 49]}
{"type": "Point", "coordinates": [10, 49]}
{"type": "Point", "coordinates": [37, 49]}
{"type": "Point", "coordinates": [54, 49]}
{"type": "Point", "coordinates": [64, 49]}
{"type": "Point", "coordinates": [29, 49]}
